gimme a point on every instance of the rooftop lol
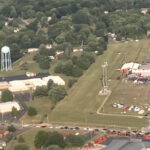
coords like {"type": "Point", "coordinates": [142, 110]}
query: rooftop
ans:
{"type": "Point", "coordinates": [126, 144]}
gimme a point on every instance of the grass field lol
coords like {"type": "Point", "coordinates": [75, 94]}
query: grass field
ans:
{"type": "Point", "coordinates": [82, 101]}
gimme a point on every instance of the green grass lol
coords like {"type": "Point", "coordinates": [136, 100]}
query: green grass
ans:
{"type": "Point", "coordinates": [42, 105]}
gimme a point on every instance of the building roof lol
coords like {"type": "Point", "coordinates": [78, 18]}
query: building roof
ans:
{"type": "Point", "coordinates": [7, 106]}
{"type": "Point", "coordinates": [126, 144]}
{"type": "Point", "coordinates": [56, 79]}
{"type": "Point", "coordinates": [145, 66]}
{"type": "Point", "coordinates": [130, 66]}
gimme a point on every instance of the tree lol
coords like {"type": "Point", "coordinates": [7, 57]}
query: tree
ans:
{"type": "Point", "coordinates": [32, 111]}
{"type": "Point", "coordinates": [21, 147]}
{"type": "Point", "coordinates": [82, 17]}
{"type": "Point", "coordinates": [76, 71]}
{"type": "Point", "coordinates": [50, 84]}
{"type": "Point", "coordinates": [75, 140]}
{"type": "Point", "coordinates": [6, 96]}
{"type": "Point", "coordinates": [67, 68]}
{"type": "Point", "coordinates": [58, 68]}
{"type": "Point", "coordinates": [83, 62]}
{"type": "Point", "coordinates": [14, 112]}
{"type": "Point", "coordinates": [55, 138]}
{"type": "Point", "coordinates": [44, 63]}
{"type": "Point", "coordinates": [13, 12]}
{"type": "Point", "coordinates": [40, 139]}
{"type": "Point", "coordinates": [11, 128]}
{"type": "Point", "coordinates": [57, 93]}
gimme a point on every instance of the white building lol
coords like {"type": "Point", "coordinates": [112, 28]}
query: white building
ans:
{"type": "Point", "coordinates": [56, 79]}
{"type": "Point", "coordinates": [78, 49]}
{"type": "Point", "coordinates": [48, 46]}
{"type": "Point", "coordinates": [144, 11]}
{"type": "Point", "coordinates": [31, 84]}
{"type": "Point", "coordinates": [8, 106]}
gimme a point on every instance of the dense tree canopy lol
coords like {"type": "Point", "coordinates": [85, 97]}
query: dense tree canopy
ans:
{"type": "Point", "coordinates": [6, 96]}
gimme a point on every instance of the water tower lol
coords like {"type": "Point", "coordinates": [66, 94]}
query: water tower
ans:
{"type": "Point", "coordinates": [5, 59]}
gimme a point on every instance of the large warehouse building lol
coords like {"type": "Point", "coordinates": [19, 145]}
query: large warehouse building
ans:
{"type": "Point", "coordinates": [29, 84]}
{"type": "Point", "coordinates": [8, 106]}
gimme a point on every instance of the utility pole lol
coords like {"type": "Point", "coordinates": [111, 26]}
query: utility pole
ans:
{"type": "Point", "coordinates": [104, 90]}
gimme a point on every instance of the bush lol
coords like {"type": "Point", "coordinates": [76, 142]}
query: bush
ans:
{"type": "Point", "coordinates": [11, 128]}
{"type": "Point", "coordinates": [76, 71]}
{"type": "Point", "coordinates": [32, 111]}
{"type": "Point", "coordinates": [58, 68]}
{"type": "Point", "coordinates": [6, 96]}
{"type": "Point", "coordinates": [74, 140]}
{"type": "Point", "coordinates": [71, 82]}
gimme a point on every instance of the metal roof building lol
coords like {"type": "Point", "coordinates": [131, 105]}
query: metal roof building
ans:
{"type": "Point", "coordinates": [126, 144]}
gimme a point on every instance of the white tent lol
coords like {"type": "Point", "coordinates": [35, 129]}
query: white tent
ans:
{"type": "Point", "coordinates": [7, 107]}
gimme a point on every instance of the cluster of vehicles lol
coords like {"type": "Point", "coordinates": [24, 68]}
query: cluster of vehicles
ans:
{"type": "Point", "coordinates": [138, 134]}
{"type": "Point", "coordinates": [107, 132]}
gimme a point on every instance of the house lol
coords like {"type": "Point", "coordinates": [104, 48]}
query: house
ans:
{"type": "Point", "coordinates": [16, 30]}
{"type": "Point", "coordinates": [30, 50]}
{"type": "Point", "coordinates": [6, 23]}
{"type": "Point", "coordinates": [106, 12]}
{"type": "Point", "coordinates": [51, 57]}
{"type": "Point", "coordinates": [78, 49]}
{"type": "Point", "coordinates": [144, 11]}
{"type": "Point", "coordinates": [48, 46]}
{"type": "Point", "coordinates": [59, 52]}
